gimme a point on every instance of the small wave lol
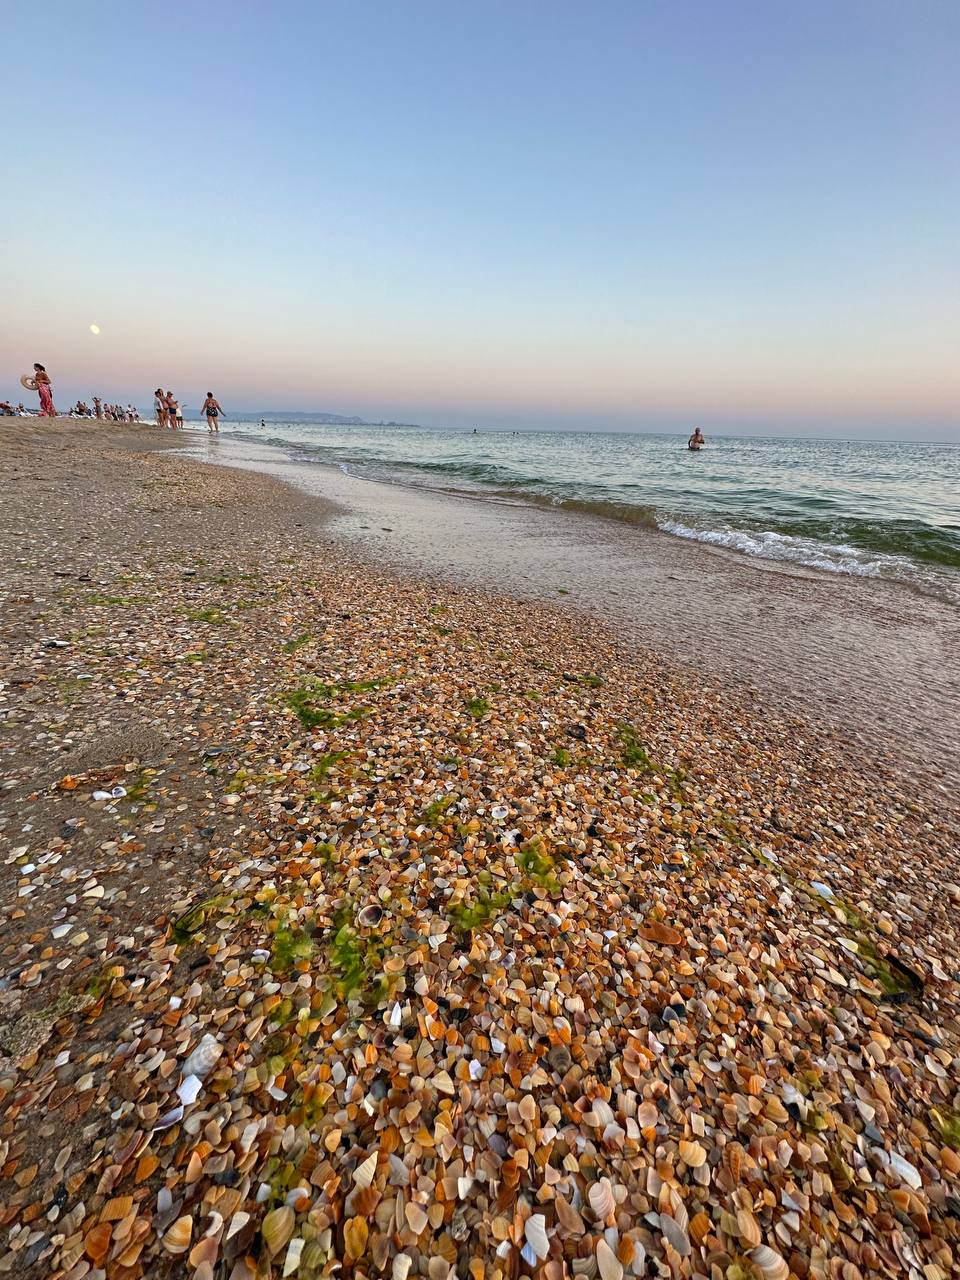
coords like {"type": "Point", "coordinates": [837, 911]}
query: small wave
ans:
{"type": "Point", "coordinates": [810, 553]}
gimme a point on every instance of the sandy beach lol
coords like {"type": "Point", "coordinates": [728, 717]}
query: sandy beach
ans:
{"type": "Point", "coordinates": [353, 919]}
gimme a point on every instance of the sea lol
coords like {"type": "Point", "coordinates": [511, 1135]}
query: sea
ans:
{"type": "Point", "coordinates": [887, 509]}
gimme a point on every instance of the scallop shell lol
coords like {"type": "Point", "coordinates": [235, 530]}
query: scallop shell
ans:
{"type": "Point", "coordinates": [277, 1228]}
{"type": "Point", "coordinates": [204, 1057]}
{"type": "Point", "coordinates": [176, 1238]}
{"type": "Point", "coordinates": [370, 916]}
{"type": "Point", "coordinates": [535, 1231]}
{"type": "Point", "coordinates": [608, 1262]}
{"type": "Point", "coordinates": [601, 1198]}
{"type": "Point", "coordinates": [770, 1262]}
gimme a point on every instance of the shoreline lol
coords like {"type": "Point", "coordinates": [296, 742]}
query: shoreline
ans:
{"type": "Point", "coordinates": [487, 914]}
{"type": "Point", "coordinates": [874, 661]}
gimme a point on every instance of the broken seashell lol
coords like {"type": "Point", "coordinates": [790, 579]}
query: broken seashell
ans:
{"type": "Point", "coordinates": [370, 916]}
{"type": "Point", "coordinates": [535, 1232]}
{"type": "Point", "coordinates": [204, 1057]}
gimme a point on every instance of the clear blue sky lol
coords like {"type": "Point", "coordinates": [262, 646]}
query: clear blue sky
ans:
{"type": "Point", "coordinates": [532, 214]}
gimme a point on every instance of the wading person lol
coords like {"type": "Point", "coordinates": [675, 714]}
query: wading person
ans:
{"type": "Point", "coordinates": [211, 407]}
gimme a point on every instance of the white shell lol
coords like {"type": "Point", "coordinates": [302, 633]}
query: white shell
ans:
{"type": "Point", "coordinates": [401, 1266]}
{"type": "Point", "coordinates": [364, 1173]}
{"type": "Point", "coordinates": [535, 1231]}
{"type": "Point", "coordinates": [204, 1057]}
{"type": "Point", "coordinates": [610, 1265]}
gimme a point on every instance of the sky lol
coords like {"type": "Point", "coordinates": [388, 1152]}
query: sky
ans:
{"type": "Point", "coordinates": [503, 213]}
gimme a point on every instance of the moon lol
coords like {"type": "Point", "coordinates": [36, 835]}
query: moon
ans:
{"type": "Point", "coordinates": [94, 328]}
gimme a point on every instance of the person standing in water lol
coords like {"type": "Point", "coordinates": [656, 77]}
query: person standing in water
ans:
{"type": "Point", "coordinates": [211, 407]}
{"type": "Point", "coordinates": [42, 379]}
{"type": "Point", "coordinates": [697, 440]}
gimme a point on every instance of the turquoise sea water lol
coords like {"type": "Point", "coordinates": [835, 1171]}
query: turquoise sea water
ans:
{"type": "Point", "coordinates": [888, 509]}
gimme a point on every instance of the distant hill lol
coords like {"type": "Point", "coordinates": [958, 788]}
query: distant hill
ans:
{"type": "Point", "coordinates": [316, 415]}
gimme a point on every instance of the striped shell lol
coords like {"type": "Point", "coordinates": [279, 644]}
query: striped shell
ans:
{"type": "Point", "coordinates": [770, 1263]}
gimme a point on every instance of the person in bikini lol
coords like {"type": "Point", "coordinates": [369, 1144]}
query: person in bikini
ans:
{"type": "Point", "coordinates": [211, 407]}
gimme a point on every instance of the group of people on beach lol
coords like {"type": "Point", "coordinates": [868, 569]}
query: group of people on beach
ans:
{"type": "Point", "coordinates": [170, 412]}
{"type": "Point", "coordinates": [104, 412]}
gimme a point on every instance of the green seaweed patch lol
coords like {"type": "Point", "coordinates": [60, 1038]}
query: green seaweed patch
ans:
{"type": "Point", "coordinates": [434, 813]}
{"type": "Point", "coordinates": [212, 615]}
{"type": "Point", "coordinates": [591, 681]}
{"type": "Point", "coordinates": [306, 702]}
{"type": "Point", "coordinates": [478, 707]}
{"type": "Point", "coordinates": [289, 947]}
{"type": "Point", "coordinates": [186, 927]}
{"type": "Point", "coordinates": [298, 642]}
{"type": "Point", "coordinates": [895, 980]}
{"type": "Point", "coordinates": [468, 916]}
{"type": "Point", "coordinates": [123, 602]}
{"type": "Point", "coordinates": [946, 1121]}
{"type": "Point", "coordinates": [562, 757]}
{"type": "Point", "coordinates": [635, 754]}
{"type": "Point", "coordinates": [537, 865]}
{"type": "Point", "coordinates": [347, 961]}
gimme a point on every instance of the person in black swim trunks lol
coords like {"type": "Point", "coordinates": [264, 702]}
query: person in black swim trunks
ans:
{"type": "Point", "coordinates": [211, 407]}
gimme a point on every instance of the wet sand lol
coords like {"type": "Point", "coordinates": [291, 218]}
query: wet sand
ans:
{"type": "Point", "coordinates": [877, 662]}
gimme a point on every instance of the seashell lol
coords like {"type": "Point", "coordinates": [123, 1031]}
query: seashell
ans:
{"type": "Point", "coordinates": [401, 1266]}
{"type": "Point", "coordinates": [176, 1238]}
{"type": "Point", "coordinates": [570, 1222]}
{"type": "Point", "coordinates": [748, 1228]}
{"type": "Point", "coordinates": [292, 1261]}
{"type": "Point", "coordinates": [535, 1233]}
{"type": "Point", "coordinates": [647, 1115]}
{"type": "Point", "coordinates": [675, 1235]}
{"type": "Point", "coordinates": [204, 1057]}
{"type": "Point", "coordinates": [237, 1223]}
{"type": "Point", "coordinates": [733, 1159]}
{"type": "Point", "coordinates": [116, 1208]}
{"type": "Point", "coordinates": [692, 1154]}
{"type": "Point", "coordinates": [364, 1173]}
{"type": "Point", "coordinates": [277, 1228]}
{"type": "Point", "coordinates": [700, 1227]}
{"type": "Point", "coordinates": [96, 1242]}
{"type": "Point", "coordinates": [416, 1217]}
{"type": "Point", "coordinates": [610, 1266]}
{"type": "Point", "coordinates": [601, 1199]}
{"type": "Point", "coordinates": [366, 1200]}
{"type": "Point", "coordinates": [370, 916]}
{"type": "Point", "coordinates": [770, 1262]}
{"type": "Point", "coordinates": [664, 934]}
{"type": "Point", "coordinates": [355, 1232]}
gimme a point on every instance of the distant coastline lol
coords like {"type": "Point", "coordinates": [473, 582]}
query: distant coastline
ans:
{"type": "Point", "coordinates": [315, 416]}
